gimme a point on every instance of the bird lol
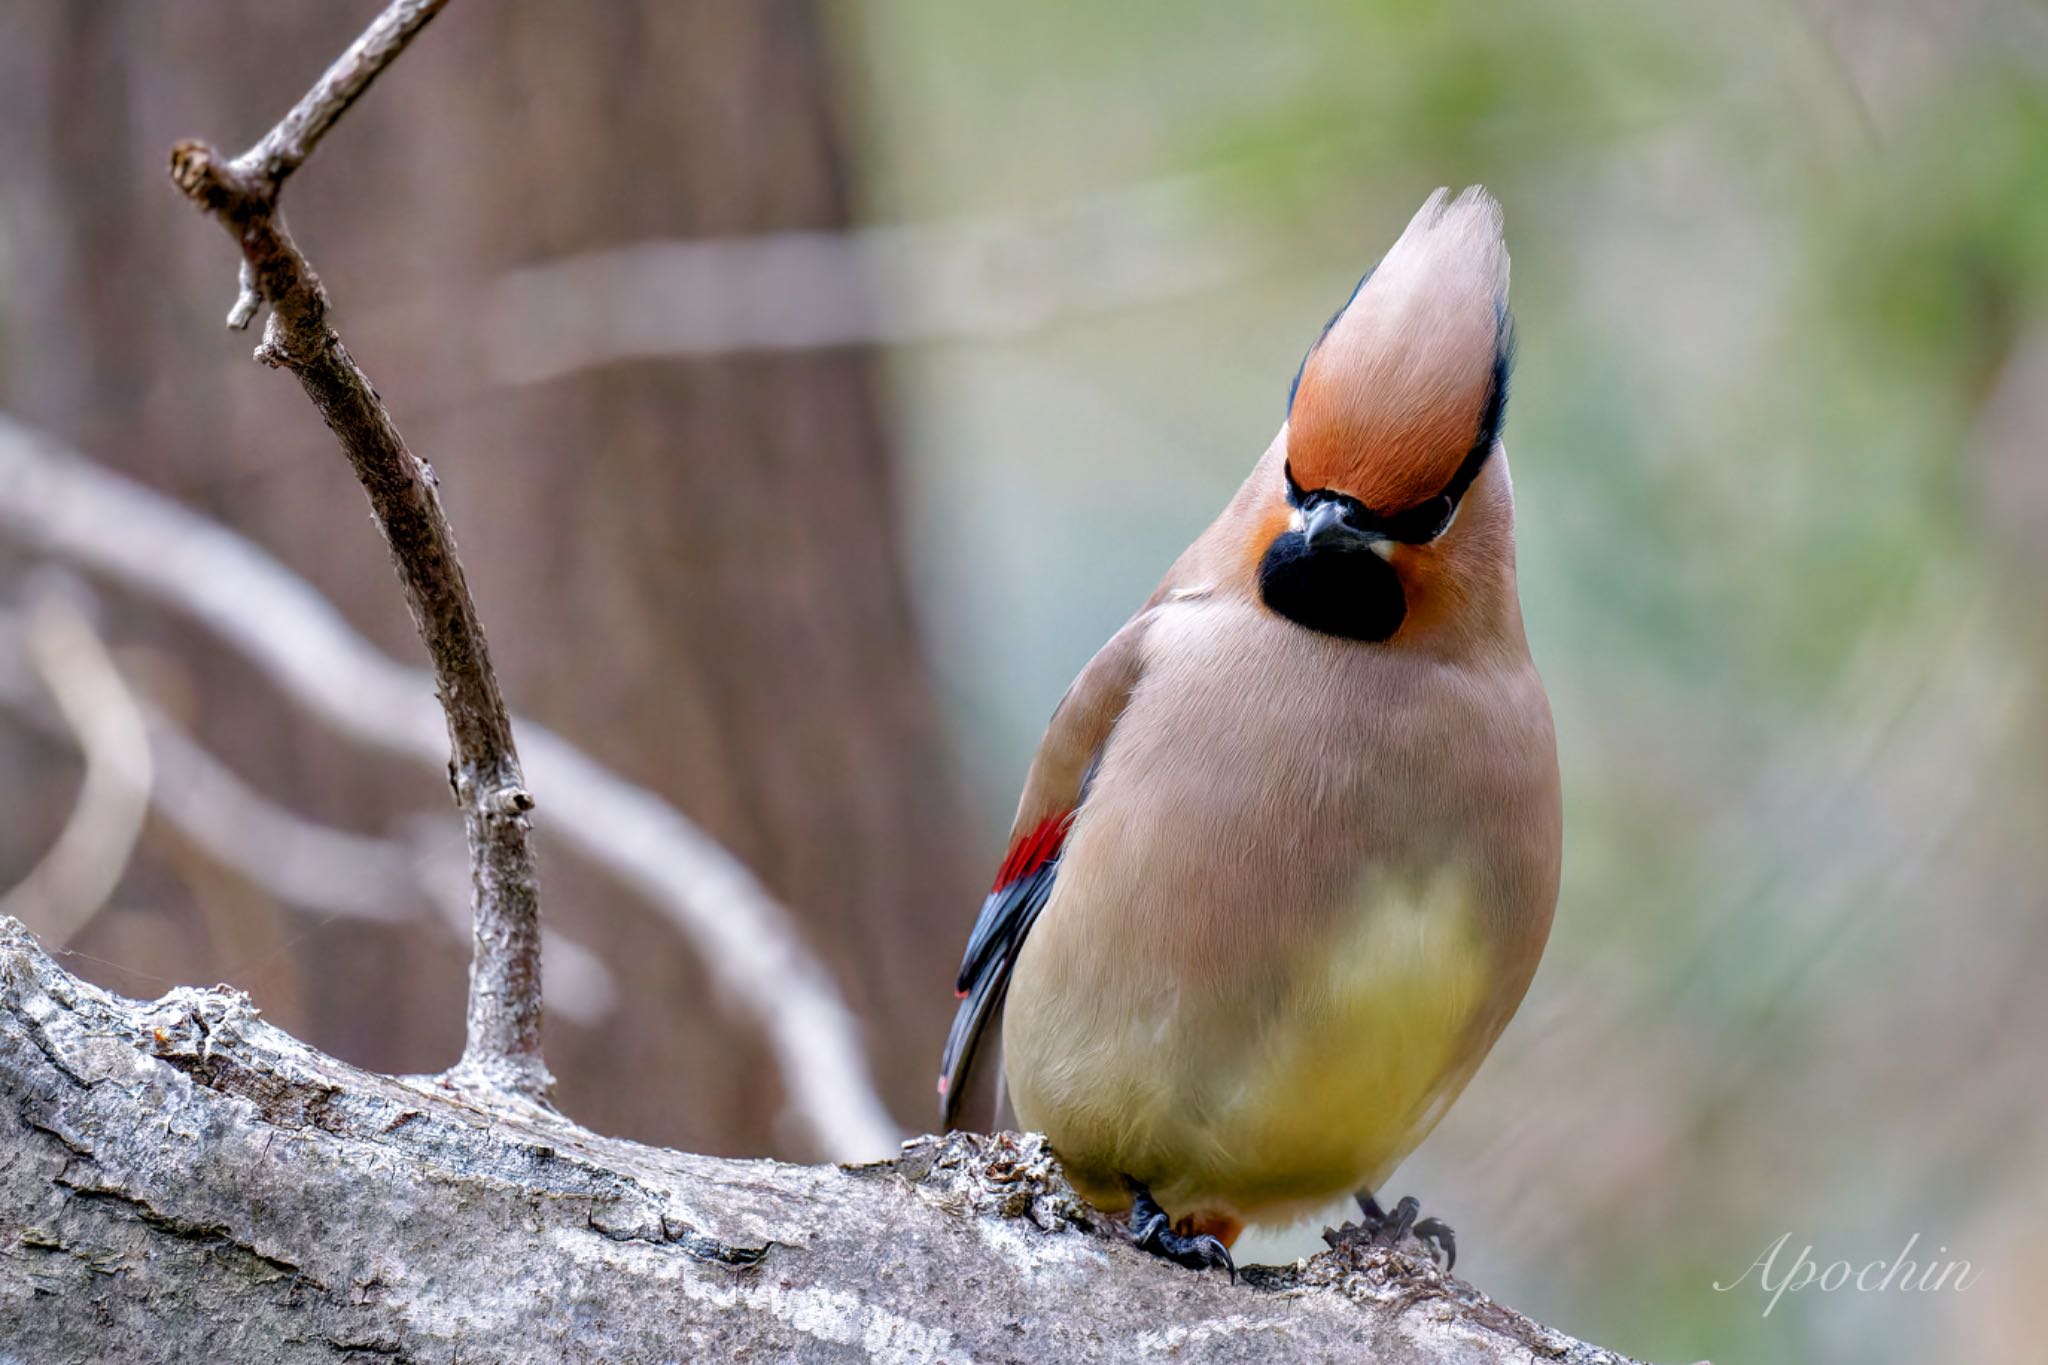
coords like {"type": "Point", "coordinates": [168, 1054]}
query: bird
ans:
{"type": "Point", "coordinates": [1288, 853]}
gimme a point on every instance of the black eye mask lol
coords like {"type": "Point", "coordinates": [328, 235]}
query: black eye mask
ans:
{"type": "Point", "coordinates": [1417, 525]}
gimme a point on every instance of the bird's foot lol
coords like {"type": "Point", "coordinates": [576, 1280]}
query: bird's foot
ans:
{"type": "Point", "coordinates": [1376, 1227]}
{"type": "Point", "coordinates": [1153, 1231]}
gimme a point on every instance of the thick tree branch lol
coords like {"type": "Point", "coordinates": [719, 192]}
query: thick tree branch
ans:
{"type": "Point", "coordinates": [504, 1046]}
{"type": "Point", "coordinates": [180, 1181]}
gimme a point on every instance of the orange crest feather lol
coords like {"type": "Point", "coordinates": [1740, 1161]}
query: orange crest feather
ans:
{"type": "Point", "coordinates": [1392, 398]}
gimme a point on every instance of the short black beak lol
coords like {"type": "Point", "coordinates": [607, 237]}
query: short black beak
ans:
{"type": "Point", "coordinates": [1328, 526]}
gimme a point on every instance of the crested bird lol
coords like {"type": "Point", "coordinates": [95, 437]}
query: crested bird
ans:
{"type": "Point", "coordinates": [1288, 852]}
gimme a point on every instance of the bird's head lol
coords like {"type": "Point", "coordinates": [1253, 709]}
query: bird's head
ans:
{"type": "Point", "coordinates": [1392, 418]}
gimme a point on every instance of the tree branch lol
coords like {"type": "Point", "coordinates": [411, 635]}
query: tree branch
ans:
{"type": "Point", "coordinates": [292, 859]}
{"type": "Point", "coordinates": [504, 1045]}
{"type": "Point", "coordinates": [285, 148]}
{"type": "Point", "coordinates": [888, 284]}
{"type": "Point", "coordinates": [183, 1181]}
{"type": "Point", "coordinates": [71, 883]}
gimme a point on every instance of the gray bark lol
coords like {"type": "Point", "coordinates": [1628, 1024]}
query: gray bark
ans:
{"type": "Point", "coordinates": [181, 1181]}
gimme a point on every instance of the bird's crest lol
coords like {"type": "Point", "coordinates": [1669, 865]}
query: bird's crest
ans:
{"type": "Point", "coordinates": [1408, 378]}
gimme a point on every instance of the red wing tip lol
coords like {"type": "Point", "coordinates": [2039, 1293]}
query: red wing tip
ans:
{"type": "Point", "coordinates": [1033, 850]}
{"type": "Point", "coordinates": [959, 995]}
{"type": "Point", "coordinates": [942, 1085]}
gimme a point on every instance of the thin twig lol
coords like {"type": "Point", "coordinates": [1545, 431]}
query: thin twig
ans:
{"type": "Point", "coordinates": [67, 507]}
{"type": "Point", "coordinates": [331, 872]}
{"type": "Point", "coordinates": [285, 148]}
{"type": "Point", "coordinates": [890, 284]}
{"type": "Point", "coordinates": [503, 1048]}
{"type": "Point", "coordinates": [64, 890]}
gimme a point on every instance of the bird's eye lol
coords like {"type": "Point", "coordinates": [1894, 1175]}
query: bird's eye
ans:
{"type": "Point", "coordinates": [1421, 523]}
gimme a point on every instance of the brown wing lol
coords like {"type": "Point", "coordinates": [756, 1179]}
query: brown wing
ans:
{"type": "Point", "coordinates": [1053, 792]}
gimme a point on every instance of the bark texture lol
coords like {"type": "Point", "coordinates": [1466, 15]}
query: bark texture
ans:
{"type": "Point", "coordinates": [181, 1181]}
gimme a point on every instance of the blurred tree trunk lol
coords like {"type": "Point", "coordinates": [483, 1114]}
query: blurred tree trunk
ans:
{"type": "Point", "coordinates": [693, 570]}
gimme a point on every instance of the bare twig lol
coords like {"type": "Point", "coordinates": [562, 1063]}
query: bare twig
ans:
{"type": "Point", "coordinates": [243, 193]}
{"type": "Point", "coordinates": [504, 1047]}
{"type": "Point", "coordinates": [65, 506]}
{"type": "Point", "coordinates": [290, 858]}
{"type": "Point", "coordinates": [63, 891]}
{"type": "Point", "coordinates": [336, 872]}
{"type": "Point", "coordinates": [896, 284]}
{"type": "Point", "coordinates": [285, 148]}
{"type": "Point", "coordinates": [581, 988]}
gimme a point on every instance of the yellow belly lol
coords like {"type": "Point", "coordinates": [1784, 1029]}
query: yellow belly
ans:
{"type": "Point", "coordinates": [1260, 1098]}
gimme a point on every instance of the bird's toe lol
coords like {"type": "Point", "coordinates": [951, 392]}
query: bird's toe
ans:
{"type": "Point", "coordinates": [1376, 1227]}
{"type": "Point", "coordinates": [1152, 1230]}
{"type": "Point", "coordinates": [1436, 1234]}
{"type": "Point", "coordinates": [1397, 1225]}
{"type": "Point", "coordinates": [1196, 1253]}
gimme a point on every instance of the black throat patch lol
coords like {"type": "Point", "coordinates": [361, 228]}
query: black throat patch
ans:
{"type": "Point", "coordinates": [1341, 586]}
{"type": "Point", "coordinates": [1349, 592]}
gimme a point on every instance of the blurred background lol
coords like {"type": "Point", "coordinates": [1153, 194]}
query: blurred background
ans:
{"type": "Point", "coordinates": [814, 387]}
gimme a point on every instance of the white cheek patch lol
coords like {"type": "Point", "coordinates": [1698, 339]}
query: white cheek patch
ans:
{"type": "Point", "coordinates": [1295, 520]}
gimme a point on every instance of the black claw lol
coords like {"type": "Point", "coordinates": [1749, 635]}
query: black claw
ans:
{"type": "Point", "coordinates": [1436, 1234]}
{"type": "Point", "coordinates": [1152, 1231]}
{"type": "Point", "coordinates": [1377, 1227]}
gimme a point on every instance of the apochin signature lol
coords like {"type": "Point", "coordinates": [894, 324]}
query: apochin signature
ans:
{"type": "Point", "coordinates": [1873, 1277]}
